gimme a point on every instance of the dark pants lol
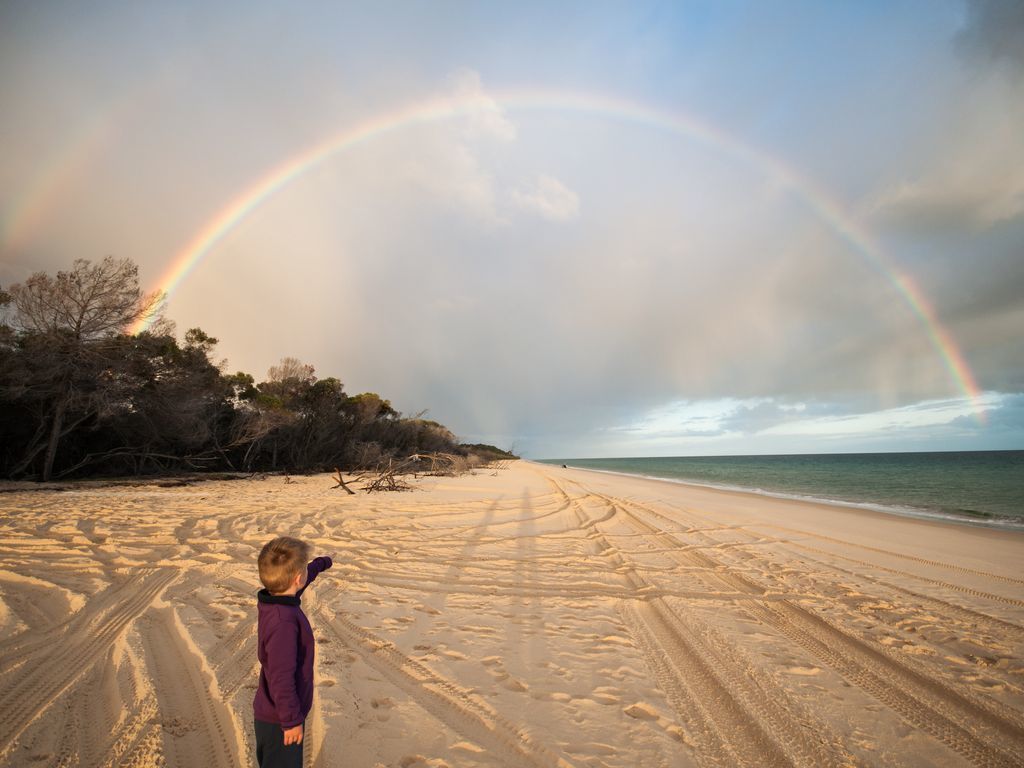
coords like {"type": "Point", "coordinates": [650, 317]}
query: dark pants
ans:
{"type": "Point", "coordinates": [270, 749]}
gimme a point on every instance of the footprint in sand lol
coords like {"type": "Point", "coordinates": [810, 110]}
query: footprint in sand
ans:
{"type": "Point", "coordinates": [178, 726]}
{"type": "Point", "coordinates": [511, 684]}
{"type": "Point", "coordinates": [415, 761]}
{"type": "Point", "coordinates": [805, 671]}
{"type": "Point", "coordinates": [501, 675]}
{"type": "Point", "coordinates": [641, 711]}
{"type": "Point", "coordinates": [606, 695]}
{"type": "Point", "coordinates": [383, 707]}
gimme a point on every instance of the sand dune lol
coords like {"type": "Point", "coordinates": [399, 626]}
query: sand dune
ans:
{"type": "Point", "coordinates": [531, 617]}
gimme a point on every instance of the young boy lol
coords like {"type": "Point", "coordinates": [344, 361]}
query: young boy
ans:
{"type": "Point", "coordinates": [285, 650]}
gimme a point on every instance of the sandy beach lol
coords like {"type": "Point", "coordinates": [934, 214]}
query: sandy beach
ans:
{"type": "Point", "coordinates": [529, 616]}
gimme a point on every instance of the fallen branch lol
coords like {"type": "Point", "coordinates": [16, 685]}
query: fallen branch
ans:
{"type": "Point", "coordinates": [341, 482]}
{"type": "Point", "coordinates": [438, 464]}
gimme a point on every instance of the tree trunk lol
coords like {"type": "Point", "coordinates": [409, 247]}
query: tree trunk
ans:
{"type": "Point", "coordinates": [51, 448]}
{"type": "Point", "coordinates": [247, 461]}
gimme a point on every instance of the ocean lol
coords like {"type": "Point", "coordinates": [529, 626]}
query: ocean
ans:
{"type": "Point", "coordinates": [977, 487]}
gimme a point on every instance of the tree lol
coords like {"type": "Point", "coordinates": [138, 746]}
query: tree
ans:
{"type": "Point", "coordinates": [291, 370]}
{"type": "Point", "coordinates": [88, 302]}
{"type": "Point", "coordinates": [80, 394]}
{"type": "Point", "coordinates": [367, 407]}
{"type": "Point", "coordinates": [65, 323]}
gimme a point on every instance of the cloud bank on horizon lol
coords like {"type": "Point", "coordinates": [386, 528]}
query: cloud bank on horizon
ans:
{"type": "Point", "coordinates": [575, 281]}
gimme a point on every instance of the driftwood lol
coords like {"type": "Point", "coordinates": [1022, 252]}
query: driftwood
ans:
{"type": "Point", "coordinates": [386, 481]}
{"type": "Point", "coordinates": [389, 478]}
{"type": "Point", "coordinates": [442, 464]}
{"type": "Point", "coordinates": [341, 482]}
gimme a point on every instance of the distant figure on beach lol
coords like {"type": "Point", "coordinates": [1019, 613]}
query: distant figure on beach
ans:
{"type": "Point", "coordinates": [285, 648]}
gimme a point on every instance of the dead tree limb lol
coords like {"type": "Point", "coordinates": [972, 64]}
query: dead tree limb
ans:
{"type": "Point", "coordinates": [341, 482]}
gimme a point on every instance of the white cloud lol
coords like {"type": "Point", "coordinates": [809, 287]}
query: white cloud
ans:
{"type": "Point", "coordinates": [484, 115]}
{"type": "Point", "coordinates": [551, 199]}
{"type": "Point", "coordinates": [455, 172]}
{"type": "Point", "coordinates": [929, 413]}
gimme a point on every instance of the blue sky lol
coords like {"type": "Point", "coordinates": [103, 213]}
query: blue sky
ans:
{"type": "Point", "coordinates": [568, 281]}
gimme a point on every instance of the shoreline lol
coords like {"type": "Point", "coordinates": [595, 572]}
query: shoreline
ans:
{"type": "Point", "coordinates": [982, 520]}
{"type": "Point", "coordinates": [780, 512]}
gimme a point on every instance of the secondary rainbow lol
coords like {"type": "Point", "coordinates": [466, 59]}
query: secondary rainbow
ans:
{"type": "Point", "coordinates": [447, 108]}
{"type": "Point", "coordinates": [52, 182]}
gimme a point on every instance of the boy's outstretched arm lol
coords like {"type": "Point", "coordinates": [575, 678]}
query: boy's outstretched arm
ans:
{"type": "Point", "coordinates": [316, 565]}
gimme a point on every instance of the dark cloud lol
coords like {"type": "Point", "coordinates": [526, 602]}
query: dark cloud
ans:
{"type": "Point", "coordinates": [995, 30]}
{"type": "Point", "coordinates": [964, 170]}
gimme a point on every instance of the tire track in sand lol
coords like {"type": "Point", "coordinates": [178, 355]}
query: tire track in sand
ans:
{"type": "Point", "coordinates": [916, 577]}
{"type": "Point", "coordinates": [461, 711]}
{"type": "Point", "coordinates": [198, 727]}
{"type": "Point", "coordinates": [901, 556]}
{"type": "Point", "coordinates": [16, 650]}
{"type": "Point", "coordinates": [50, 669]}
{"type": "Point", "coordinates": [936, 602]}
{"type": "Point", "coordinates": [984, 732]}
{"type": "Point", "coordinates": [976, 618]}
{"type": "Point", "coordinates": [101, 731]}
{"type": "Point", "coordinates": [233, 659]}
{"type": "Point", "coordinates": [138, 736]}
{"type": "Point", "coordinates": [736, 716]}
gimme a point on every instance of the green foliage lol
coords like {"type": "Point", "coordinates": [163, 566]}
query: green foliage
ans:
{"type": "Point", "coordinates": [80, 396]}
{"type": "Point", "coordinates": [196, 338]}
{"type": "Point", "coordinates": [485, 451]}
{"type": "Point", "coordinates": [243, 385]}
{"type": "Point", "coordinates": [368, 407]}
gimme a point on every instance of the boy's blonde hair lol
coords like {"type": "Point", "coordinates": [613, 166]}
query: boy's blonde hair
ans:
{"type": "Point", "coordinates": [280, 559]}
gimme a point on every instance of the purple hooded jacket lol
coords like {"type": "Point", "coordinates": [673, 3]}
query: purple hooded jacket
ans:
{"type": "Point", "coordinates": [285, 650]}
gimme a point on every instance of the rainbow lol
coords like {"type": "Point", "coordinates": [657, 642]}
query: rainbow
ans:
{"type": "Point", "coordinates": [440, 109]}
{"type": "Point", "coordinates": [57, 176]}
{"type": "Point", "coordinates": [53, 181]}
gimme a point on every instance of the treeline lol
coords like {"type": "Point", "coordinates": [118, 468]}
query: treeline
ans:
{"type": "Point", "coordinates": [81, 395]}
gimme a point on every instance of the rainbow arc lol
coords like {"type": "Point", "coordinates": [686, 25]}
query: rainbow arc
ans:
{"type": "Point", "coordinates": [829, 211]}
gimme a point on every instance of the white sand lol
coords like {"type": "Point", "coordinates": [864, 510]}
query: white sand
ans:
{"type": "Point", "coordinates": [533, 617]}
